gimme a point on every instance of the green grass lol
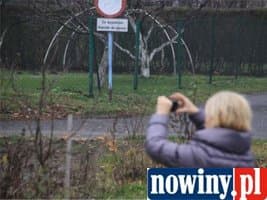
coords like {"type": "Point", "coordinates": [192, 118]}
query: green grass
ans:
{"type": "Point", "coordinates": [136, 190]}
{"type": "Point", "coordinates": [108, 173]}
{"type": "Point", "coordinates": [71, 91]}
{"type": "Point", "coordinates": [259, 148]}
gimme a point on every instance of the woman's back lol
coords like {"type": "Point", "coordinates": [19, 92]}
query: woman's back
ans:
{"type": "Point", "coordinates": [209, 147]}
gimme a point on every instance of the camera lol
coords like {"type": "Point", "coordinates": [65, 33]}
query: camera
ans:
{"type": "Point", "coordinates": [175, 106]}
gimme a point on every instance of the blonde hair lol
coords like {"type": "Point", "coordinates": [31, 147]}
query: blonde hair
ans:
{"type": "Point", "coordinates": [228, 110]}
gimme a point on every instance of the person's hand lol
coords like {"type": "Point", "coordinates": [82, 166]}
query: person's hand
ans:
{"type": "Point", "coordinates": [164, 105]}
{"type": "Point", "coordinates": [185, 104]}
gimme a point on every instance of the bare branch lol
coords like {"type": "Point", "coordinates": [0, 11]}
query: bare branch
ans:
{"type": "Point", "coordinates": [79, 21]}
{"type": "Point", "coordinates": [132, 23]}
{"type": "Point", "coordinates": [73, 28]}
{"type": "Point", "coordinates": [149, 32]}
{"type": "Point", "coordinates": [101, 37]}
{"type": "Point", "coordinates": [124, 50]}
{"type": "Point", "coordinates": [158, 49]}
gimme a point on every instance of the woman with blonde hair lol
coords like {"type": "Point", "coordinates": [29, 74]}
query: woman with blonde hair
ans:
{"type": "Point", "coordinates": [222, 137]}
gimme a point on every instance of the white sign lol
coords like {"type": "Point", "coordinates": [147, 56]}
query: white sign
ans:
{"type": "Point", "coordinates": [112, 25]}
{"type": "Point", "coordinates": [110, 8]}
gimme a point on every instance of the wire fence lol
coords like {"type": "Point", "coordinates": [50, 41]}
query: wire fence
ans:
{"type": "Point", "coordinates": [228, 45]}
{"type": "Point", "coordinates": [234, 43]}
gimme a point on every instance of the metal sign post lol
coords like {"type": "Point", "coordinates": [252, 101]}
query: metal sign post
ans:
{"type": "Point", "coordinates": [110, 9]}
{"type": "Point", "coordinates": [110, 51]}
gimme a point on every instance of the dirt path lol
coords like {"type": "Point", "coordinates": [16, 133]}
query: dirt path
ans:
{"type": "Point", "coordinates": [123, 126]}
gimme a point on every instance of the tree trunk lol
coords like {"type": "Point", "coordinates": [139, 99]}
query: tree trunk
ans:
{"type": "Point", "coordinates": [145, 72]}
{"type": "Point", "coordinates": [145, 64]}
{"type": "Point", "coordinates": [102, 70]}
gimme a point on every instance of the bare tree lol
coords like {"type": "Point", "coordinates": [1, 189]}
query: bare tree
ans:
{"type": "Point", "coordinates": [78, 26]}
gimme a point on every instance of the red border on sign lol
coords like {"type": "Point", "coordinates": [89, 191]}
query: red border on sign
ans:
{"type": "Point", "coordinates": [100, 12]}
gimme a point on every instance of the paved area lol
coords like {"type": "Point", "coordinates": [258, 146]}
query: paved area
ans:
{"type": "Point", "coordinates": [124, 126]}
{"type": "Point", "coordinates": [259, 106]}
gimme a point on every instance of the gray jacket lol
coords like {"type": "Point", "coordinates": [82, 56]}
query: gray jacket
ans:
{"type": "Point", "coordinates": [213, 147]}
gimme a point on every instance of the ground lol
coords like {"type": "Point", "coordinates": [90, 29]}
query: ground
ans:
{"type": "Point", "coordinates": [123, 125]}
{"type": "Point", "coordinates": [104, 165]}
{"type": "Point", "coordinates": [69, 94]}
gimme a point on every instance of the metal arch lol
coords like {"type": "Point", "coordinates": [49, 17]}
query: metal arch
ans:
{"type": "Point", "coordinates": [187, 50]}
{"type": "Point", "coordinates": [128, 12]}
{"type": "Point", "coordinates": [67, 45]}
{"type": "Point", "coordinates": [3, 37]}
{"type": "Point", "coordinates": [60, 30]}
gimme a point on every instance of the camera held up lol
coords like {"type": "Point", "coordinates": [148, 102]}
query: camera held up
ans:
{"type": "Point", "coordinates": [175, 106]}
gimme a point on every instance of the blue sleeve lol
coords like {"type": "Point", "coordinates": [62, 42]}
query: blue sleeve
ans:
{"type": "Point", "coordinates": [198, 119]}
{"type": "Point", "coordinates": [159, 148]}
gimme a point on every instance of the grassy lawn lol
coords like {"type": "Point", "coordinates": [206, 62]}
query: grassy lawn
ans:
{"type": "Point", "coordinates": [101, 168]}
{"type": "Point", "coordinates": [106, 168]}
{"type": "Point", "coordinates": [69, 92]}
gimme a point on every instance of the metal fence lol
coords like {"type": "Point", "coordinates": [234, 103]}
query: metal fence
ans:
{"type": "Point", "coordinates": [229, 45]}
{"type": "Point", "coordinates": [226, 44]}
{"type": "Point", "coordinates": [232, 45]}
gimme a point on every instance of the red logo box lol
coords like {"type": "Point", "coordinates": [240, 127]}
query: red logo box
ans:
{"type": "Point", "coordinates": [250, 184]}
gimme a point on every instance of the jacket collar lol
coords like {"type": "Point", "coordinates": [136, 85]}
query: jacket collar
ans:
{"type": "Point", "coordinates": [225, 139]}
